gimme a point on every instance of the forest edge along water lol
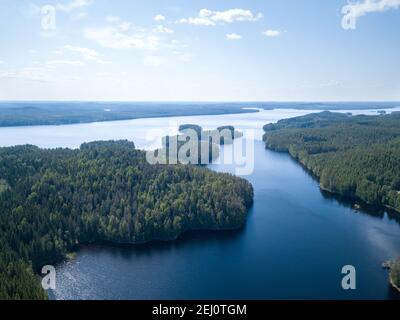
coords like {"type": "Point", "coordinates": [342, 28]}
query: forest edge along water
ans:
{"type": "Point", "coordinates": [294, 243]}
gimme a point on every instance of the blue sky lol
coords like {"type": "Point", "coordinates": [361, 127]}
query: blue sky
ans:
{"type": "Point", "coordinates": [180, 50]}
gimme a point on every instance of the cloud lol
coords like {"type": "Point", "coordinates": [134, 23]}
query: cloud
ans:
{"type": "Point", "coordinates": [183, 56]}
{"type": "Point", "coordinates": [162, 29]}
{"type": "Point", "coordinates": [272, 33]}
{"type": "Point", "coordinates": [73, 5]}
{"type": "Point", "coordinates": [159, 17]}
{"type": "Point", "coordinates": [233, 36]}
{"type": "Point", "coordinates": [2, 62]}
{"type": "Point", "coordinates": [86, 53]}
{"type": "Point", "coordinates": [119, 34]}
{"type": "Point", "coordinates": [66, 62]}
{"type": "Point", "coordinates": [154, 61]}
{"type": "Point", "coordinates": [352, 11]}
{"type": "Point", "coordinates": [115, 38]}
{"type": "Point", "coordinates": [28, 74]}
{"type": "Point", "coordinates": [80, 15]}
{"type": "Point", "coordinates": [211, 18]}
{"type": "Point", "coordinates": [57, 52]}
{"type": "Point", "coordinates": [113, 19]}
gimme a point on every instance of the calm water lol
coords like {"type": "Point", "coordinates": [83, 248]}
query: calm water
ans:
{"type": "Point", "coordinates": [143, 131]}
{"type": "Point", "coordinates": [293, 246]}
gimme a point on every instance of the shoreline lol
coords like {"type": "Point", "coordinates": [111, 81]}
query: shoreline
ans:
{"type": "Point", "coordinates": [237, 112]}
{"type": "Point", "coordinates": [387, 264]}
{"type": "Point", "coordinates": [322, 188]}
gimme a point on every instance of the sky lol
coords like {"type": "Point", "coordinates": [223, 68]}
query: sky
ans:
{"type": "Point", "coordinates": [216, 50]}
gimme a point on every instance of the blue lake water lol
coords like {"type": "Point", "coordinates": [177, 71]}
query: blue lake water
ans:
{"type": "Point", "coordinates": [293, 246]}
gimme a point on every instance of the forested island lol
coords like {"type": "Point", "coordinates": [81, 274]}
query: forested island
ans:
{"type": "Point", "coordinates": [53, 200]}
{"type": "Point", "coordinates": [354, 156]}
{"type": "Point", "coordinates": [195, 145]}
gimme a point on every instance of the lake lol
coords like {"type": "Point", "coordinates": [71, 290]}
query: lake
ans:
{"type": "Point", "coordinates": [143, 131]}
{"type": "Point", "coordinates": [293, 246]}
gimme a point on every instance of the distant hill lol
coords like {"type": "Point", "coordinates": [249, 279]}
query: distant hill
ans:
{"type": "Point", "coordinates": [58, 113]}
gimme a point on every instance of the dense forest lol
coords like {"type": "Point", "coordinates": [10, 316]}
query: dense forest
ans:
{"type": "Point", "coordinates": [58, 113]}
{"type": "Point", "coordinates": [53, 200]}
{"type": "Point", "coordinates": [356, 156]}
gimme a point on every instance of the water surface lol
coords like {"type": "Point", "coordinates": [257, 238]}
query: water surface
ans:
{"type": "Point", "coordinates": [294, 245]}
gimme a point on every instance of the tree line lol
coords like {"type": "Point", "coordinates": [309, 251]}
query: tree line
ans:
{"type": "Point", "coordinates": [53, 200]}
{"type": "Point", "coordinates": [356, 156]}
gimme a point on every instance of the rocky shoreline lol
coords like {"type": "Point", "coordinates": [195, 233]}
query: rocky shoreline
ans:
{"type": "Point", "coordinates": [394, 272]}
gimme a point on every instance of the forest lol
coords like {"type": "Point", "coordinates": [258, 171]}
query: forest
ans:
{"type": "Point", "coordinates": [355, 156]}
{"type": "Point", "coordinates": [53, 200]}
{"type": "Point", "coordinates": [194, 145]}
{"type": "Point", "coordinates": [59, 113]}
{"type": "Point", "coordinates": [35, 113]}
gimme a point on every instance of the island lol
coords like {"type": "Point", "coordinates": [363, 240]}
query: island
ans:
{"type": "Point", "coordinates": [353, 156]}
{"type": "Point", "coordinates": [51, 201]}
{"type": "Point", "coordinates": [194, 145]}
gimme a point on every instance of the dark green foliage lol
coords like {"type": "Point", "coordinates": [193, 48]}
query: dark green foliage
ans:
{"type": "Point", "coordinates": [56, 199]}
{"type": "Point", "coordinates": [319, 120]}
{"type": "Point", "coordinates": [356, 156]}
{"type": "Point", "coordinates": [394, 274]}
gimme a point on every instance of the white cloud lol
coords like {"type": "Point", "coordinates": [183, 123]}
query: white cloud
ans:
{"type": "Point", "coordinates": [116, 38]}
{"type": "Point", "coordinates": [57, 52]}
{"type": "Point", "coordinates": [66, 62]}
{"type": "Point", "coordinates": [159, 17]}
{"type": "Point", "coordinates": [112, 19]}
{"type": "Point", "coordinates": [119, 34]}
{"type": "Point", "coordinates": [80, 15]}
{"type": "Point", "coordinates": [154, 61]}
{"type": "Point", "coordinates": [272, 33]}
{"type": "Point", "coordinates": [183, 56]}
{"type": "Point", "coordinates": [233, 36]}
{"type": "Point", "coordinates": [120, 24]}
{"type": "Point", "coordinates": [86, 53]}
{"type": "Point", "coordinates": [2, 62]}
{"type": "Point", "coordinates": [352, 11]}
{"type": "Point", "coordinates": [211, 18]}
{"type": "Point", "coordinates": [73, 5]}
{"type": "Point", "coordinates": [162, 29]}
{"type": "Point", "coordinates": [30, 74]}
